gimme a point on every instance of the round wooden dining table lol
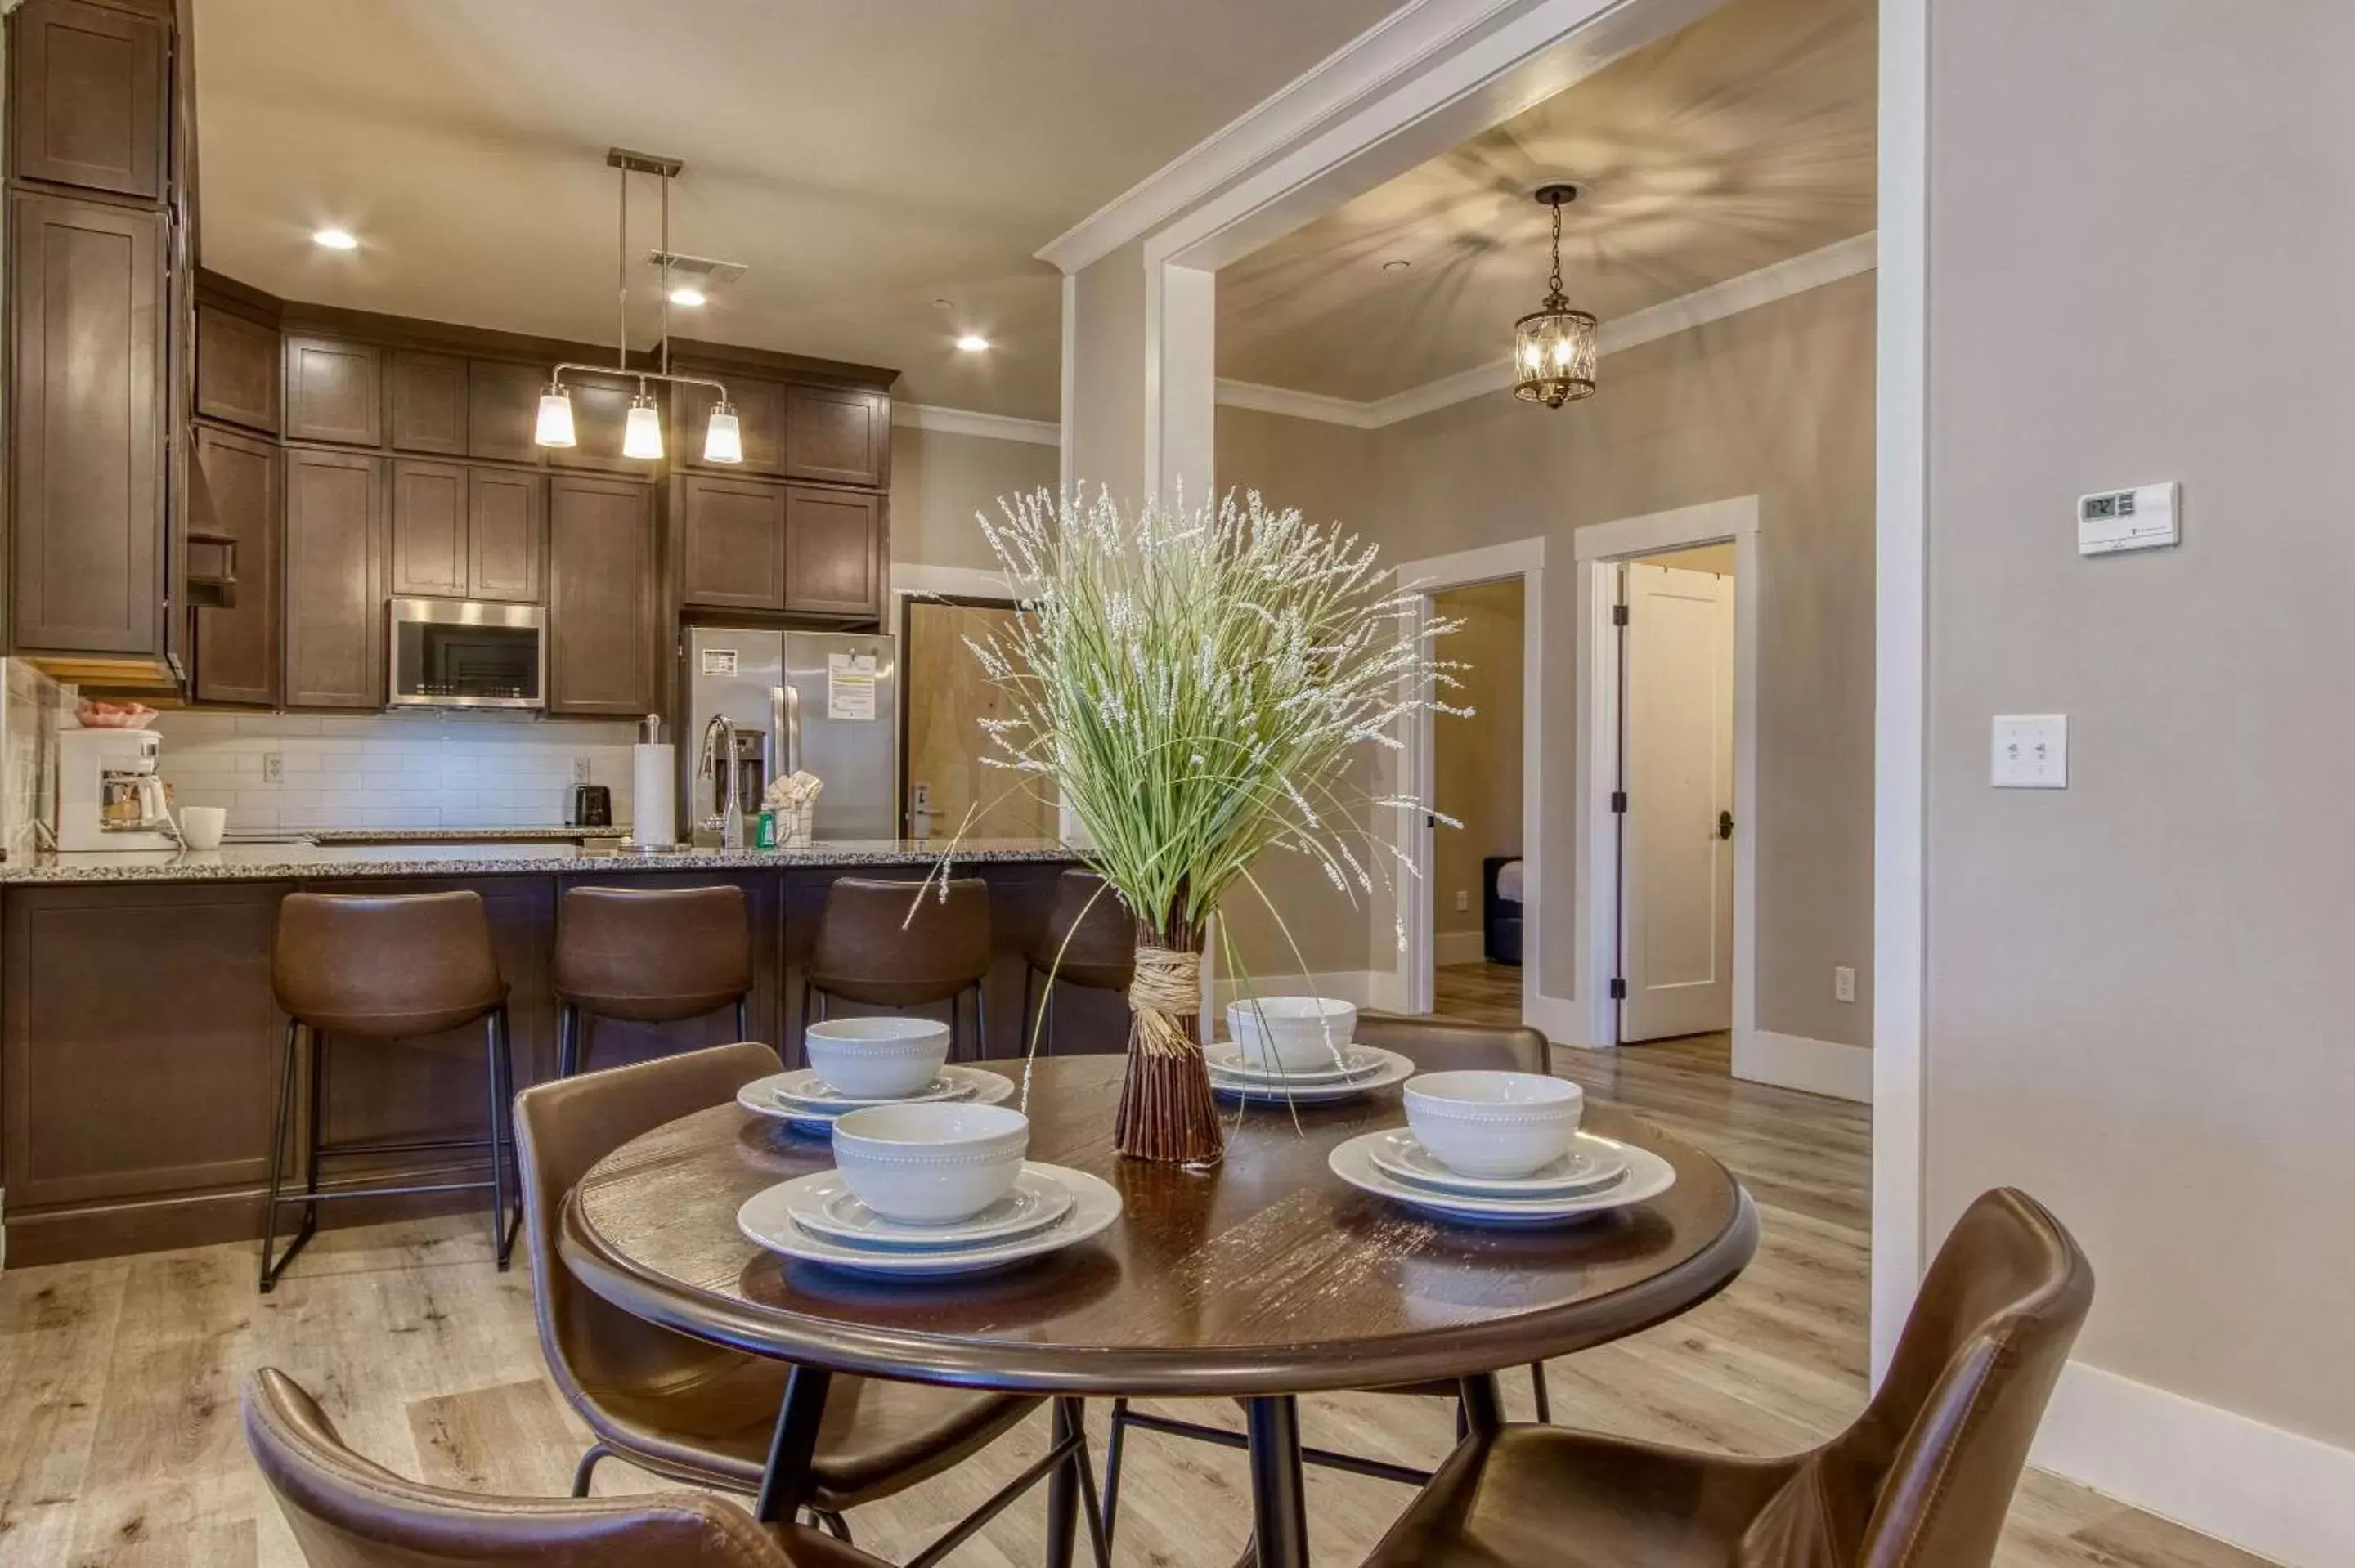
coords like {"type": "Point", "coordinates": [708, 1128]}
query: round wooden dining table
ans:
{"type": "Point", "coordinates": [1261, 1279]}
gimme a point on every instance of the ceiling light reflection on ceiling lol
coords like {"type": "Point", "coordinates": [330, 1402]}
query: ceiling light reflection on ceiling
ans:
{"type": "Point", "coordinates": [684, 296]}
{"type": "Point", "coordinates": [334, 239]}
{"type": "Point", "coordinates": [973, 342]}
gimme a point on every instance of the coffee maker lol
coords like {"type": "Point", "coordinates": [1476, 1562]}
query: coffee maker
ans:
{"type": "Point", "coordinates": [110, 795]}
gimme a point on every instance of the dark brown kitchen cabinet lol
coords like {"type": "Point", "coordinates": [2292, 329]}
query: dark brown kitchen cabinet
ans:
{"type": "Point", "coordinates": [839, 435]}
{"type": "Point", "coordinates": [429, 528]}
{"type": "Point", "coordinates": [833, 546]}
{"type": "Point", "coordinates": [732, 549]}
{"type": "Point", "coordinates": [237, 369]}
{"type": "Point", "coordinates": [87, 425]}
{"type": "Point", "coordinates": [506, 535]}
{"type": "Point", "coordinates": [601, 605]}
{"type": "Point", "coordinates": [87, 97]}
{"type": "Point", "coordinates": [236, 646]}
{"type": "Point", "coordinates": [333, 391]}
{"type": "Point", "coordinates": [428, 399]}
{"type": "Point", "coordinates": [760, 421]}
{"type": "Point", "coordinates": [501, 408]}
{"type": "Point", "coordinates": [601, 409]}
{"type": "Point", "coordinates": [335, 610]}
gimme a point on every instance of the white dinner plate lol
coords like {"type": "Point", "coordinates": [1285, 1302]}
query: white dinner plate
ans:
{"type": "Point", "coordinates": [766, 1219]}
{"type": "Point", "coordinates": [1225, 1059]}
{"type": "Point", "coordinates": [1647, 1176]}
{"type": "Point", "coordinates": [1394, 1069]}
{"type": "Point", "coordinates": [827, 1207]}
{"type": "Point", "coordinates": [802, 1089]}
{"type": "Point", "coordinates": [1593, 1162]}
{"type": "Point", "coordinates": [759, 1097]}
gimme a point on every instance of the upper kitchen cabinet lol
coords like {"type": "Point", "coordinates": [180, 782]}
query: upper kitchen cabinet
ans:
{"type": "Point", "coordinates": [88, 98]}
{"type": "Point", "coordinates": [602, 607]}
{"type": "Point", "coordinates": [833, 553]}
{"type": "Point", "coordinates": [87, 425]}
{"type": "Point", "coordinates": [501, 405]}
{"type": "Point", "coordinates": [428, 397]}
{"type": "Point", "coordinates": [429, 528]}
{"type": "Point", "coordinates": [837, 434]}
{"type": "Point", "coordinates": [506, 535]}
{"type": "Point", "coordinates": [760, 422]}
{"type": "Point", "coordinates": [333, 391]}
{"type": "Point", "coordinates": [335, 599]}
{"type": "Point", "coordinates": [600, 410]}
{"type": "Point", "coordinates": [237, 369]}
{"type": "Point", "coordinates": [731, 543]}
{"type": "Point", "coordinates": [236, 658]}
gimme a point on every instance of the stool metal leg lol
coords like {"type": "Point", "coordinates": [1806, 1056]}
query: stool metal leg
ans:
{"type": "Point", "coordinates": [567, 1021]}
{"type": "Point", "coordinates": [1029, 1025]}
{"type": "Point", "coordinates": [278, 1130]}
{"type": "Point", "coordinates": [514, 1149]}
{"type": "Point", "coordinates": [495, 1051]}
{"type": "Point", "coordinates": [980, 1024]}
{"type": "Point", "coordinates": [743, 1018]}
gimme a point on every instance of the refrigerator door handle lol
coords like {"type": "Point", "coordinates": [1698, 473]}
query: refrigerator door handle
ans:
{"type": "Point", "coordinates": [785, 714]}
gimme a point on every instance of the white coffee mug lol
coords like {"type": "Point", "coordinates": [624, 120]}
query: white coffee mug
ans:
{"type": "Point", "coordinates": [201, 826]}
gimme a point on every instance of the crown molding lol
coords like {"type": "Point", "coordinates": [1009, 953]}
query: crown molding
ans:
{"type": "Point", "coordinates": [973, 422]}
{"type": "Point", "coordinates": [1384, 51]}
{"type": "Point", "coordinates": [1843, 259]}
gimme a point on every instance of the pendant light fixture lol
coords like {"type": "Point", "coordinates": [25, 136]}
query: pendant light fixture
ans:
{"type": "Point", "coordinates": [642, 438]}
{"type": "Point", "coordinates": [1554, 346]}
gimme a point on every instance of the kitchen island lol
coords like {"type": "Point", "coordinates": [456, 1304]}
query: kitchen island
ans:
{"type": "Point", "coordinates": [139, 1039]}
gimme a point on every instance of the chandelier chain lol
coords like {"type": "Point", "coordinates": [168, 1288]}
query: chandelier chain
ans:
{"type": "Point", "coordinates": [1553, 281]}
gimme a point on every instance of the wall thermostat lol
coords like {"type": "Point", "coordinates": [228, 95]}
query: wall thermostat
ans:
{"type": "Point", "coordinates": [2143, 518]}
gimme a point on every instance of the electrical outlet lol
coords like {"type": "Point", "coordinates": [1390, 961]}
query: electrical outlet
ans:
{"type": "Point", "coordinates": [1462, 901]}
{"type": "Point", "coordinates": [273, 766]}
{"type": "Point", "coordinates": [580, 770]}
{"type": "Point", "coordinates": [1843, 984]}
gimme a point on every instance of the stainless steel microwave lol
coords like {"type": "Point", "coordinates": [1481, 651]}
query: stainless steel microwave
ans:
{"type": "Point", "coordinates": [467, 653]}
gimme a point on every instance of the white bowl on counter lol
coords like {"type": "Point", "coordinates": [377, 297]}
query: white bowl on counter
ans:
{"type": "Point", "coordinates": [1290, 1034]}
{"type": "Point", "coordinates": [931, 1164]}
{"type": "Point", "coordinates": [876, 1058]}
{"type": "Point", "coordinates": [1494, 1125]}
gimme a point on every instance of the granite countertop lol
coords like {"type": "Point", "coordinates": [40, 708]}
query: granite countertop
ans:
{"type": "Point", "coordinates": [439, 857]}
{"type": "Point", "coordinates": [446, 835]}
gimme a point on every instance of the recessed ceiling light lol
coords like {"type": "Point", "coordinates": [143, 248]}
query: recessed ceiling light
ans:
{"type": "Point", "coordinates": [1397, 264]}
{"type": "Point", "coordinates": [944, 304]}
{"type": "Point", "coordinates": [684, 295]}
{"type": "Point", "coordinates": [334, 239]}
{"type": "Point", "coordinates": [973, 342]}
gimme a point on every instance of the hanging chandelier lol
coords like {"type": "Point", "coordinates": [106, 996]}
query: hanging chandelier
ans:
{"type": "Point", "coordinates": [723, 443]}
{"type": "Point", "coordinates": [1554, 345]}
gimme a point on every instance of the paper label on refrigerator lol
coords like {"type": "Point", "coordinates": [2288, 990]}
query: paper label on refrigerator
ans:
{"type": "Point", "coordinates": [850, 687]}
{"type": "Point", "coordinates": [719, 661]}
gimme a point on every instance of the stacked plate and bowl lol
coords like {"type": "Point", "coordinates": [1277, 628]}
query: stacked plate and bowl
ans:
{"type": "Point", "coordinates": [1298, 1048]}
{"type": "Point", "coordinates": [1499, 1149]}
{"type": "Point", "coordinates": [857, 1063]}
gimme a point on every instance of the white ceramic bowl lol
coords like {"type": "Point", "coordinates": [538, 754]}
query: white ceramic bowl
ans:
{"type": "Point", "coordinates": [875, 1058]}
{"type": "Point", "coordinates": [1294, 1033]}
{"type": "Point", "coordinates": [201, 826]}
{"type": "Point", "coordinates": [931, 1164]}
{"type": "Point", "coordinates": [1499, 1125]}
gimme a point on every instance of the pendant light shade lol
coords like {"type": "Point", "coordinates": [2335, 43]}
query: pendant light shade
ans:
{"type": "Point", "coordinates": [1554, 347]}
{"type": "Point", "coordinates": [555, 428]}
{"type": "Point", "coordinates": [723, 441]}
{"type": "Point", "coordinates": [642, 437]}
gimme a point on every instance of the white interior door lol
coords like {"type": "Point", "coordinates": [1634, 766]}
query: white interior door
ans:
{"type": "Point", "coordinates": [1675, 882]}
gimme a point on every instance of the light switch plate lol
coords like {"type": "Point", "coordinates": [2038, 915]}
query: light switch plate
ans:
{"type": "Point", "coordinates": [2032, 751]}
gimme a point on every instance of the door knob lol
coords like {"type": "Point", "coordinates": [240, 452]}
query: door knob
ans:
{"type": "Point", "coordinates": [1725, 825]}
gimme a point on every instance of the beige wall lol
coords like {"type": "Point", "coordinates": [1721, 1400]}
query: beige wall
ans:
{"type": "Point", "coordinates": [1107, 412]}
{"type": "Point", "coordinates": [1478, 758]}
{"type": "Point", "coordinates": [2149, 966]}
{"type": "Point", "coordinates": [938, 483]}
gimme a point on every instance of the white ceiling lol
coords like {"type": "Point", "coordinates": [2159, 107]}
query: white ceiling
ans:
{"type": "Point", "coordinates": [1746, 139]}
{"type": "Point", "coordinates": [864, 159]}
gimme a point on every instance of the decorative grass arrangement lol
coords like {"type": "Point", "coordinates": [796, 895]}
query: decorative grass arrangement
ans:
{"type": "Point", "coordinates": [1191, 685]}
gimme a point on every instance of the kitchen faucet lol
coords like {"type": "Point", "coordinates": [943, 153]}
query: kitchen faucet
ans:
{"type": "Point", "coordinates": [718, 744]}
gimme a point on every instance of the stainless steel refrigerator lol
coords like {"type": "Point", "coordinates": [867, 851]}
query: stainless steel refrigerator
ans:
{"type": "Point", "coordinates": [826, 703]}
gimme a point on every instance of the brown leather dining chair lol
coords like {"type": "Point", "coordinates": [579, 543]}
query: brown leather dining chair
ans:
{"type": "Point", "coordinates": [1090, 941]}
{"type": "Point", "coordinates": [677, 1407]}
{"type": "Point", "coordinates": [882, 945]}
{"type": "Point", "coordinates": [348, 1512]}
{"type": "Point", "coordinates": [1432, 1044]}
{"type": "Point", "coordinates": [1924, 1478]}
{"type": "Point", "coordinates": [647, 955]}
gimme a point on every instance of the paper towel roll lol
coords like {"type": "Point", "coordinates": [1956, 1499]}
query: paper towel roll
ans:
{"type": "Point", "coordinates": [653, 807]}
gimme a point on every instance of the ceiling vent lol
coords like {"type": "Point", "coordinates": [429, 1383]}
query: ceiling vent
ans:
{"type": "Point", "coordinates": [704, 272]}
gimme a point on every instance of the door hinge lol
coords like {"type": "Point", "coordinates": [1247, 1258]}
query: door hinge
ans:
{"type": "Point", "coordinates": [1618, 615]}
{"type": "Point", "coordinates": [1619, 990]}
{"type": "Point", "coordinates": [1619, 800]}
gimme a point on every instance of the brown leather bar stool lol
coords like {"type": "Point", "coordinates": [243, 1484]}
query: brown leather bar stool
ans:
{"type": "Point", "coordinates": [648, 956]}
{"type": "Point", "coordinates": [383, 968]}
{"type": "Point", "coordinates": [881, 944]}
{"type": "Point", "coordinates": [1090, 941]}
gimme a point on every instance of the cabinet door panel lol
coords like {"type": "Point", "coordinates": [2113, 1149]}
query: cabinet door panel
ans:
{"type": "Point", "coordinates": [732, 543]}
{"type": "Point", "coordinates": [835, 434]}
{"type": "Point", "coordinates": [429, 528]}
{"type": "Point", "coordinates": [237, 369]}
{"type": "Point", "coordinates": [502, 407]}
{"type": "Point", "coordinates": [429, 403]}
{"type": "Point", "coordinates": [88, 98]}
{"type": "Point", "coordinates": [87, 286]}
{"type": "Point", "coordinates": [760, 420]}
{"type": "Point", "coordinates": [237, 647]}
{"type": "Point", "coordinates": [601, 408]}
{"type": "Point", "coordinates": [333, 391]}
{"type": "Point", "coordinates": [600, 597]}
{"type": "Point", "coordinates": [832, 540]}
{"type": "Point", "coordinates": [334, 615]}
{"type": "Point", "coordinates": [506, 535]}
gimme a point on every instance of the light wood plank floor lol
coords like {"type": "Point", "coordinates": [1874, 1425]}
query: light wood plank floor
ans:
{"type": "Point", "coordinates": [118, 1379]}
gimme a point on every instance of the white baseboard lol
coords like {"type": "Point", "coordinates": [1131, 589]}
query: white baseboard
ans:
{"type": "Point", "coordinates": [1458, 948]}
{"type": "Point", "coordinates": [1560, 1019]}
{"type": "Point", "coordinates": [1795, 1061]}
{"type": "Point", "coordinates": [2276, 1493]}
